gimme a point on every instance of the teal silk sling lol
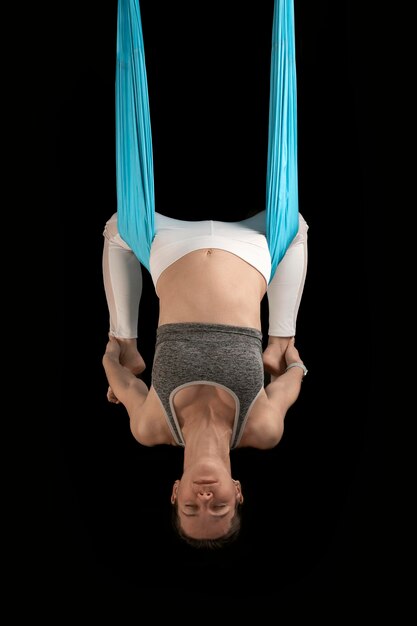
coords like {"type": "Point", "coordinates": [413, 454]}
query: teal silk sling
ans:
{"type": "Point", "coordinates": [134, 155]}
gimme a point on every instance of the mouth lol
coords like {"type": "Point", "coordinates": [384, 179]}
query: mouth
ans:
{"type": "Point", "coordinates": [205, 482]}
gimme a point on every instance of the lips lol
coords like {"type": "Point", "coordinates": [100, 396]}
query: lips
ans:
{"type": "Point", "coordinates": [205, 482]}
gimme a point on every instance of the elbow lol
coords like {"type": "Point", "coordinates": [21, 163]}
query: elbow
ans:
{"type": "Point", "coordinates": [135, 430]}
{"type": "Point", "coordinates": [139, 434]}
{"type": "Point", "coordinates": [278, 433]}
{"type": "Point", "coordinates": [273, 437]}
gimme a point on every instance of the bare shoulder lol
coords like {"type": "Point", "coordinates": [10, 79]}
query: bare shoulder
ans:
{"type": "Point", "coordinates": [265, 425]}
{"type": "Point", "coordinates": [148, 423]}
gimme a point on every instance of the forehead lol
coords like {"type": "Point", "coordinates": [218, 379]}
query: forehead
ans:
{"type": "Point", "coordinates": [204, 528]}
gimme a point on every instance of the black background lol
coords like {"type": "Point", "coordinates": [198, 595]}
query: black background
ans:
{"type": "Point", "coordinates": [313, 506]}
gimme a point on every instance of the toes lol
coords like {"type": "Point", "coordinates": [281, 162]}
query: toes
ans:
{"type": "Point", "coordinates": [111, 397]}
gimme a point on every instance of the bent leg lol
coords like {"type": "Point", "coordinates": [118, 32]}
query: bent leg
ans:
{"type": "Point", "coordinates": [122, 276]}
{"type": "Point", "coordinates": [286, 288]}
{"type": "Point", "coordinates": [284, 297]}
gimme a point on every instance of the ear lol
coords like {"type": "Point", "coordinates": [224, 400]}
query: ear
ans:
{"type": "Point", "coordinates": [239, 494]}
{"type": "Point", "coordinates": [174, 491]}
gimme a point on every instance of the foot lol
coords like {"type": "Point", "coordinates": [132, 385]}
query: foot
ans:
{"type": "Point", "coordinates": [111, 397]}
{"type": "Point", "coordinates": [274, 355]}
{"type": "Point", "coordinates": [130, 356]}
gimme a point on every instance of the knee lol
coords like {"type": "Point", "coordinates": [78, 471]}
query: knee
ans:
{"type": "Point", "coordinates": [301, 235]}
{"type": "Point", "coordinates": [302, 225]}
{"type": "Point", "coordinates": [111, 233]}
{"type": "Point", "coordinates": [110, 228]}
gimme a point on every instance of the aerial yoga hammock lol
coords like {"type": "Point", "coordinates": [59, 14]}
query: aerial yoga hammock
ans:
{"type": "Point", "coordinates": [134, 155]}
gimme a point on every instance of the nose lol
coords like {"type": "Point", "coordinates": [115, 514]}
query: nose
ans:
{"type": "Point", "coordinates": [205, 494]}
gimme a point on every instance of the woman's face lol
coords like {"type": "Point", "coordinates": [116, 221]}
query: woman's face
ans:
{"type": "Point", "coordinates": [206, 506]}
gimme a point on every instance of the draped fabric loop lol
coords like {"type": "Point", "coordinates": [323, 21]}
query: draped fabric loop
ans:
{"type": "Point", "coordinates": [282, 171]}
{"type": "Point", "coordinates": [134, 156]}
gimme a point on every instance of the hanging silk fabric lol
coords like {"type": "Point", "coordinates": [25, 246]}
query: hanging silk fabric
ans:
{"type": "Point", "coordinates": [134, 156]}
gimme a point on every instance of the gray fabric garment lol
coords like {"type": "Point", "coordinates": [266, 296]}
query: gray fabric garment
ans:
{"type": "Point", "coordinates": [190, 353]}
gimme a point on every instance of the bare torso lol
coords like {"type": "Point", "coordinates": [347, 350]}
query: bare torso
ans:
{"type": "Point", "coordinates": [207, 286]}
{"type": "Point", "coordinates": [211, 286]}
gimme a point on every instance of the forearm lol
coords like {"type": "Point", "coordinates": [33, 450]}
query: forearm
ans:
{"type": "Point", "coordinates": [286, 388]}
{"type": "Point", "coordinates": [286, 288]}
{"type": "Point", "coordinates": [292, 381]}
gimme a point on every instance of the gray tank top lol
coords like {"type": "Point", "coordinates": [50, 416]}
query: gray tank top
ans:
{"type": "Point", "coordinates": [226, 356]}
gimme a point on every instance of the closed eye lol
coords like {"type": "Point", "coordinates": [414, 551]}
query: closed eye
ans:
{"type": "Point", "coordinates": [192, 510]}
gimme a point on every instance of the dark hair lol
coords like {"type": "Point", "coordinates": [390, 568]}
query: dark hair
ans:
{"type": "Point", "coordinates": [209, 544]}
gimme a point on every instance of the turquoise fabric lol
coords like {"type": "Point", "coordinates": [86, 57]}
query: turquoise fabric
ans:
{"type": "Point", "coordinates": [282, 169]}
{"type": "Point", "coordinates": [134, 156]}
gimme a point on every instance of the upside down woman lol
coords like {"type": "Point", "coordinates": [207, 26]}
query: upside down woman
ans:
{"type": "Point", "coordinates": [207, 391]}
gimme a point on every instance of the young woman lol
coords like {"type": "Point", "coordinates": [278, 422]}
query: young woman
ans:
{"type": "Point", "coordinates": [207, 389]}
{"type": "Point", "coordinates": [207, 393]}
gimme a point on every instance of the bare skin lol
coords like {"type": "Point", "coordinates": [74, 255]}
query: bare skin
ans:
{"type": "Point", "coordinates": [206, 495]}
{"type": "Point", "coordinates": [130, 358]}
{"type": "Point", "coordinates": [274, 355]}
{"type": "Point", "coordinates": [231, 293]}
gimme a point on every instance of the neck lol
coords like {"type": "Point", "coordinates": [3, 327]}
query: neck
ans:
{"type": "Point", "coordinates": [207, 435]}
